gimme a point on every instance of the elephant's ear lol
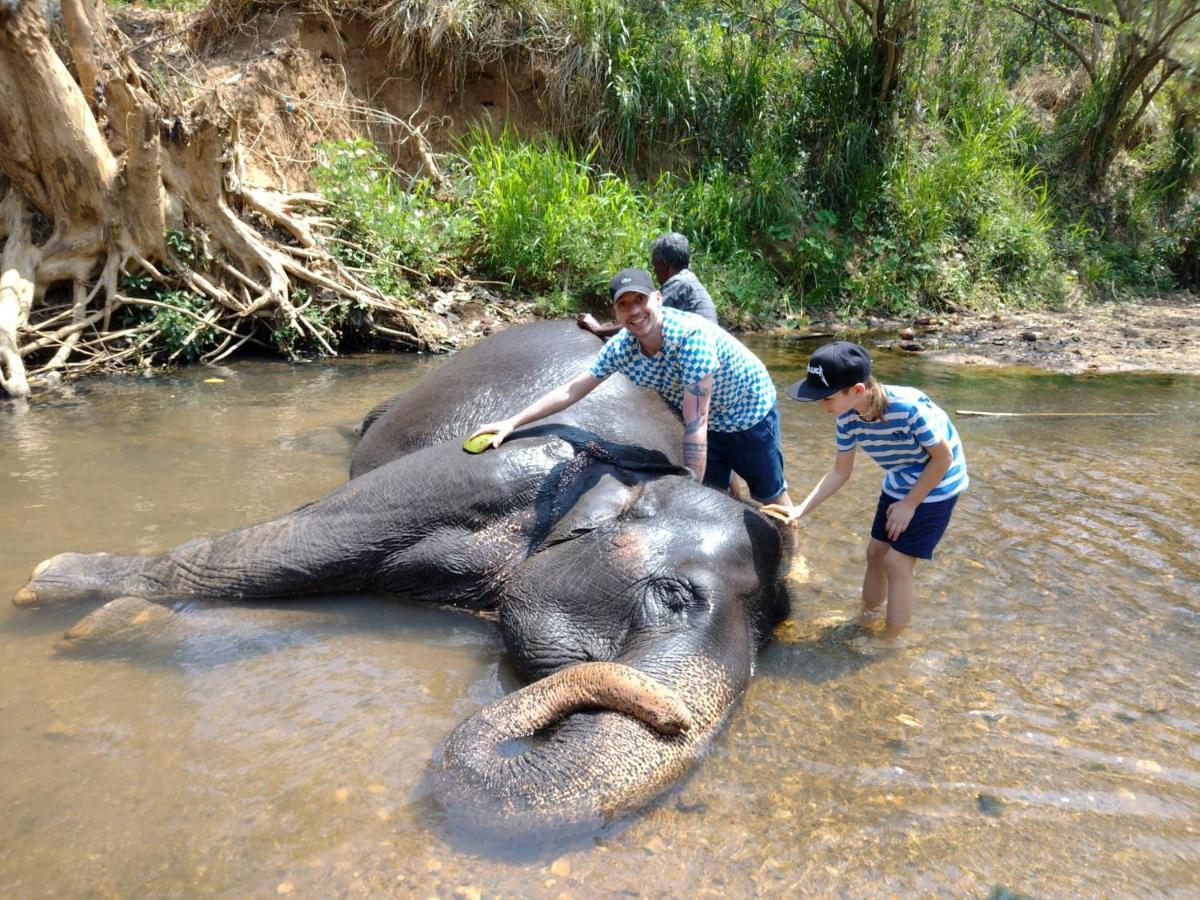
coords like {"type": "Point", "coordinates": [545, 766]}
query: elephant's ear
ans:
{"type": "Point", "coordinates": [600, 505]}
{"type": "Point", "coordinates": [376, 414]}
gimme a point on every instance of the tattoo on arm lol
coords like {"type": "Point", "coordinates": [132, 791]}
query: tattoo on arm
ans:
{"type": "Point", "coordinates": [698, 423]}
{"type": "Point", "coordinates": [695, 424]}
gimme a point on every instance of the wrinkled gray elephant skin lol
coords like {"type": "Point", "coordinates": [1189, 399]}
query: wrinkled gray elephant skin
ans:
{"type": "Point", "coordinates": [633, 598]}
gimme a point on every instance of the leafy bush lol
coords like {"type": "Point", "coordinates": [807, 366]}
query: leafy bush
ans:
{"type": "Point", "coordinates": [391, 231]}
{"type": "Point", "coordinates": [764, 136]}
{"type": "Point", "coordinates": [548, 220]}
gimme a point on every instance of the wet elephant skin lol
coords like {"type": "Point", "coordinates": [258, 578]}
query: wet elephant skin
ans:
{"type": "Point", "coordinates": [633, 598]}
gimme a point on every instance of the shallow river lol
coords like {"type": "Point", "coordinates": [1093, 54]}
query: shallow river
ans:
{"type": "Point", "coordinates": [1039, 731]}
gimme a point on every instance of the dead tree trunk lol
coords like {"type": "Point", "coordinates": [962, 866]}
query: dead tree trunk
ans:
{"type": "Point", "coordinates": [92, 180]}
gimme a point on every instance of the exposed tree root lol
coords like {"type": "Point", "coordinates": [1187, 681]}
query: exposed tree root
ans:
{"type": "Point", "coordinates": [108, 208]}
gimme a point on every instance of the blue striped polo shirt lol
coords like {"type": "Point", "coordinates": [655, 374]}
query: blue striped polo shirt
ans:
{"type": "Point", "coordinates": [692, 348]}
{"type": "Point", "coordinates": [897, 441]}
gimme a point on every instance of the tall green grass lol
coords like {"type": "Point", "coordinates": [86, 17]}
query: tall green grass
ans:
{"type": "Point", "coordinates": [549, 220]}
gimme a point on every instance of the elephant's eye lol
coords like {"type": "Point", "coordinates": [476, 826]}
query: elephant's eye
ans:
{"type": "Point", "coordinates": [666, 599]}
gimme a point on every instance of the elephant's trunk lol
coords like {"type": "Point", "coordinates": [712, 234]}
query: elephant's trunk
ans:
{"type": "Point", "coordinates": [603, 685]}
{"type": "Point", "coordinates": [619, 738]}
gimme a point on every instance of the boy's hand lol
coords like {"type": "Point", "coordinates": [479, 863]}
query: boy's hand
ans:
{"type": "Point", "coordinates": [788, 514]}
{"type": "Point", "coordinates": [899, 514]}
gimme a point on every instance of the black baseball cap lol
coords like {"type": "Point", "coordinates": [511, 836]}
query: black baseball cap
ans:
{"type": "Point", "coordinates": [832, 368]}
{"type": "Point", "coordinates": [630, 280]}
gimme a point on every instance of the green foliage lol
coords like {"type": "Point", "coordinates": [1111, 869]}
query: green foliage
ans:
{"type": "Point", "coordinates": [171, 318]}
{"type": "Point", "coordinates": [549, 220]}
{"type": "Point", "coordinates": [294, 341]}
{"type": "Point", "coordinates": [182, 246]}
{"type": "Point", "coordinates": [745, 289]}
{"type": "Point", "coordinates": [971, 217]}
{"type": "Point", "coordinates": [388, 229]}
{"type": "Point", "coordinates": [764, 134]}
{"type": "Point", "coordinates": [177, 331]}
{"type": "Point", "coordinates": [847, 150]}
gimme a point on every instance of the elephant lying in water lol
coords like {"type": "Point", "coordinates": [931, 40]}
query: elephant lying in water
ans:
{"type": "Point", "coordinates": [634, 598]}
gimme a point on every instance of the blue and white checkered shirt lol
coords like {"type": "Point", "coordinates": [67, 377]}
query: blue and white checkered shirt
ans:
{"type": "Point", "coordinates": [898, 441]}
{"type": "Point", "coordinates": [691, 349]}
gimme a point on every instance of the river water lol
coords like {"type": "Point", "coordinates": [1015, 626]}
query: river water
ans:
{"type": "Point", "coordinates": [1039, 731]}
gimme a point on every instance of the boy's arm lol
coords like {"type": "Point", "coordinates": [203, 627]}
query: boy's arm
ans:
{"type": "Point", "coordinates": [839, 474]}
{"type": "Point", "coordinates": [900, 513]}
{"type": "Point", "coordinates": [696, 399]}
{"type": "Point", "coordinates": [547, 405]}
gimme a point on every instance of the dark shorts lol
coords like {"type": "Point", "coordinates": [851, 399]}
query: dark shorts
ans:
{"type": "Point", "coordinates": [923, 532]}
{"type": "Point", "coordinates": [754, 454]}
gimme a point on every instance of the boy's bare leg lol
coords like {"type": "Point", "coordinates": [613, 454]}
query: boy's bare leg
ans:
{"type": "Point", "coordinates": [875, 584]}
{"type": "Point", "coordinates": [901, 591]}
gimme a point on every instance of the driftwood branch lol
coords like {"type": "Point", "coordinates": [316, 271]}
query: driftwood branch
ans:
{"type": "Point", "coordinates": [1052, 415]}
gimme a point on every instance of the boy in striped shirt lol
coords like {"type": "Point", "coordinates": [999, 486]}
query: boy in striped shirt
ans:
{"type": "Point", "coordinates": [924, 471]}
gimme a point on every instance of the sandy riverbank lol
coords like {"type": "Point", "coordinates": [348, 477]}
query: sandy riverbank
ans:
{"type": "Point", "coordinates": [1153, 334]}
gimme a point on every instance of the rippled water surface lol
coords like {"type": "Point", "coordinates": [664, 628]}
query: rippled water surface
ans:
{"type": "Point", "coordinates": [1039, 731]}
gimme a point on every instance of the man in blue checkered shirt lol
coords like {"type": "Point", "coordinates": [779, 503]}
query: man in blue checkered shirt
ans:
{"type": "Point", "coordinates": [730, 423]}
{"type": "Point", "coordinates": [670, 256]}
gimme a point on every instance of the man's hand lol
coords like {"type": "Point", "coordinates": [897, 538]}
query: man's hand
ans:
{"type": "Point", "coordinates": [587, 322]}
{"type": "Point", "coordinates": [498, 430]}
{"type": "Point", "coordinates": [899, 514]}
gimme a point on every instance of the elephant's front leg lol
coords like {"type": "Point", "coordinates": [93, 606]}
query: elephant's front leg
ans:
{"type": "Point", "coordinates": [268, 560]}
{"type": "Point", "coordinates": [430, 525]}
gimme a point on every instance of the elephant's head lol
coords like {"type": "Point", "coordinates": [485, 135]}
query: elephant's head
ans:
{"type": "Point", "coordinates": [641, 614]}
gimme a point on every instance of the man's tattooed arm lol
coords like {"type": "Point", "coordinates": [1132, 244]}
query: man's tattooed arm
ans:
{"type": "Point", "coordinates": [696, 398]}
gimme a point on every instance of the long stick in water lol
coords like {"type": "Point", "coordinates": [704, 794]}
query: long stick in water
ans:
{"type": "Point", "coordinates": [976, 412]}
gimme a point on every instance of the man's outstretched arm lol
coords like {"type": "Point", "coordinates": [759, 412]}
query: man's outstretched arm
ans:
{"type": "Point", "coordinates": [546, 405]}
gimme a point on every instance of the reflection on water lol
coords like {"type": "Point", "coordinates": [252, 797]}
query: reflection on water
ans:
{"type": "Point", "coordinates": [1039, 731]}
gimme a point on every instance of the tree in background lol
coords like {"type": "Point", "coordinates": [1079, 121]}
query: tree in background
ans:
{"type": "Point", "coordinates": [886, 26]}
{"type": "Point", "coordinates": [104, 184]}
{"type": "Point", "coordinates": [1129, 50]}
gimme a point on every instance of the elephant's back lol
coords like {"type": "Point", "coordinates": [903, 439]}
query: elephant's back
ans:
{"type": "Point", "coordinates": [503, 356]}
{"type": "Point", "coordinates": [498, 377]}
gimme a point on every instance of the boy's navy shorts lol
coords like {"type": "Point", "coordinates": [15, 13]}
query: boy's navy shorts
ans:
{"type": "Point", "coordinates": [754, 454]}
{"type": "Point", "coordinates": [923, 532]}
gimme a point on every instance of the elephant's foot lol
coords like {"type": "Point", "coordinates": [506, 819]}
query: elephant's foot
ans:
{"type": "Point", "coordinates": [65, 577]}
{"type": "Point", "coordinates": [125, 619]}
